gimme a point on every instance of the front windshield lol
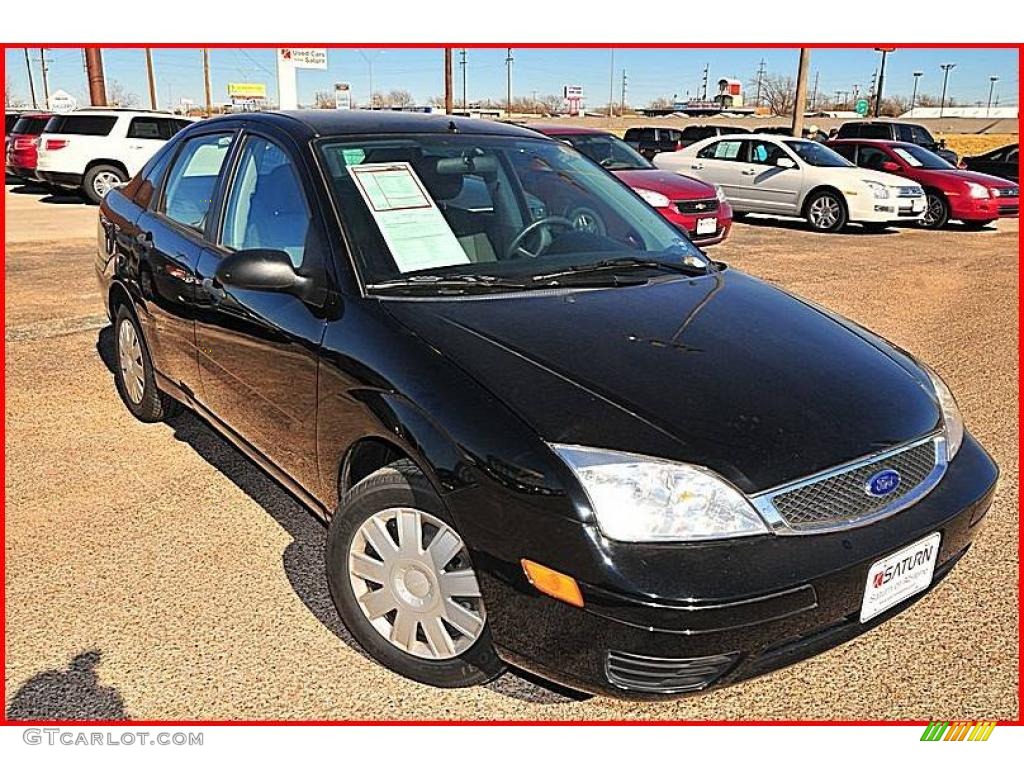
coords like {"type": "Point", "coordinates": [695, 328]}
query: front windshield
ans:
{"type": "Point", "coordinates": [428, 207]}
{"type": "Point", "coordinates": [919, 157]}
{"type": "Point", "coordinates": [607, 151]}
{"type": "Point", "coordinates": [813, 153]}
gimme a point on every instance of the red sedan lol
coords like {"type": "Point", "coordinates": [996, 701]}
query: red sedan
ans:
{"type": "Point", "coordinates": [696, 207]}
{"type": "Point", "coordinates": [976, 199]}
{"type": "Point", "coordinates": [22, 151]}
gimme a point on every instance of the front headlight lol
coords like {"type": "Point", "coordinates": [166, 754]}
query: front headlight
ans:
{"type": "Point", "coordinates": [654, 199]}
{"type": "Point", "coordinates": [880, 191]}
{"type": "Point", "coordinates": [952, 420]}
{"type": "Point", "coordinates": [977, 190]}
{"type": "Point", "coordinates": [719, 193]}
{"type": "Point", "coordinates": [638, 498]}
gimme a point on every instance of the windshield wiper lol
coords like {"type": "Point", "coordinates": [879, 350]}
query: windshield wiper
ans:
{"type": "Point", "coordinates": [621, 264]}
{"type": "Point", "coordinates": [448, 284]}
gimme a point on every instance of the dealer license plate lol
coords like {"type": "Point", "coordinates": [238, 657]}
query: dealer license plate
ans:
{"type": "Point", "coordinates": [917, 205]}
{"type": "Point", "coordinates": [707, 226]}
{"type": "Point", "coordinates": [899, 576]}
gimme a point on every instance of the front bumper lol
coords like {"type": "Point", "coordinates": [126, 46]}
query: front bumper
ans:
{"type": "Point", "coordinates": [717, 613]}
{"type": "Point", "coordinates": [866, 208]}
{"type": "Point", "coordinates": [967, 208]}
{"type": "Point", "coordinates": [690, 222]}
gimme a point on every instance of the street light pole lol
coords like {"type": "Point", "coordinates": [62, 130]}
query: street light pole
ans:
{"type": "Point", "coordinates": [913, 98]}
{"type": "Point", "coordinates": [991, 87]}
{"type": "Point", "coordinates": [945, 79]}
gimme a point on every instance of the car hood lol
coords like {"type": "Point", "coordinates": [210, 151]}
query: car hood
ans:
{"type": "Point", "coordinates": [723, 371]}
{"type": "Point", "coordinates": [673, 185]}
{"type": "Point", "coordinates": [956, 174]}
{"type": "Point", "coordinates": [889, 179]}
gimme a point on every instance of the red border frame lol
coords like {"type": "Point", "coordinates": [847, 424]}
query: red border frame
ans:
{"type": "Point", "coordinates": [3, 472]}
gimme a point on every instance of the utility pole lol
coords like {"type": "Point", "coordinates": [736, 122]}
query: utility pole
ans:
{"type": "Point", "coordinates": [993, 79]}
{"type": "Point", "coordinates": [800, 102]}
{"type": "Point", "coordinates": [152, 80]}
{"type": "Point", "coordinates": [206, 80]}
{"type": "Point", "coordinates": [622, 101]}
{"type": "Point", "coordinates": [760, 80]}
{"type": "Point", "coordinates": [462, 63]}
{"type": "Point", "coordinates": [814, 94]}
{"type": "Point", "coordinates": [704, 85]}
{"type": "Point", "coordinates": [611, 84]}
{"type": "Point", "coordinates": [945, 79]}
{"type": "Point", "coordinates": [94, 72]}
{"type": "Point", "coordinates": [31, 82]}
{"type": "Point", "coordinates": [508, 81]}
{"type": "Point", "coordinates": [46, 85]}
{"type": "Point", "coordinates": [881, 78]}
{"type": "Point", "coordinates": [913, 97]}
{"type": "Point", "coordinates": [836, 103]}
{"type": "Point", "coordinates": [448, 97]}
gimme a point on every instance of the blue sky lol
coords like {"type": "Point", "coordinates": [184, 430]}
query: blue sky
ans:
{"type": "Point", "coordinates": [652, 72]}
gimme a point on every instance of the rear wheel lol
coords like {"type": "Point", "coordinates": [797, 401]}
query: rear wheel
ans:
{"type": "Point", "coordinates": [402, 580]}
{"type": "Point", "coordinates": [134, 375]}
{"type": "Point", "coordinates": [826, 211]}
{"type": "Point", "coordinates": [936, 213]}
{"type": "Point", "coordinates": [100, 179]}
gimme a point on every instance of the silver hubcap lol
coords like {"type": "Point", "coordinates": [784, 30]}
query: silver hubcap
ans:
{"type": "Point", "coordinates": [104, 181]}
{"type": "Point", "coordinates": [824, 212]}
{"type": "Point", "coordinates": [132, 368]}
{"type": "Point", "coordinates": [412, 578]}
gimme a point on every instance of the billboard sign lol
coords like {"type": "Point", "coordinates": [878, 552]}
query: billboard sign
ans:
{"type": "Point", "coordinates": [62, 101]}
{"type": "Point", "coordinates": [247, 90]}
{"type": "Point", "coordinates": [342, 96]}
{"type": "Point", "coordinates": [303, 58]}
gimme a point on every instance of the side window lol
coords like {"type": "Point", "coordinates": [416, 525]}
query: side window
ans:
{"type": "Point", "coordinates": [648, 134]}
{"type": "Point", "coordinates": [765, 152]}
{"type": "Point", "coordinates": [875, 131]}
{"type": "Point", "coordinates": [920, 135]}
{"type": "Point", "coordinates": [904, 133]}
{"type": "Point", "coordinates": [151, 175]}
{"type": "Point", "coordinates": [871, 157]}
{"type": "Point", "coordinates": [145, 128]}
{"type": "Point", "coordinates": [721, 150]}
{"type": "Point", "coordinates": [266, 207]}
{"type": "Point", "coordinates": [188, 193]}
{"type": "Point", "coordinates": [849, 151]}
{"type": "Point", "coordinates": [1012, 155]}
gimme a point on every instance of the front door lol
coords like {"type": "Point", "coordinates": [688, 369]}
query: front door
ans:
{"type": "Point", "coordinates": [773, 189]}
{"type": "Point", "coordinates": [258, 350]}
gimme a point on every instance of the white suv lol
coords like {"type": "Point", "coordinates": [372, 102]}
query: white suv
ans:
{"type": "Point", "coordinates": [95, 149]}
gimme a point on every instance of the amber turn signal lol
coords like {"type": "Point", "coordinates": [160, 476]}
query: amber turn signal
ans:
{"type": "Point", "coordinates": [553, 583]}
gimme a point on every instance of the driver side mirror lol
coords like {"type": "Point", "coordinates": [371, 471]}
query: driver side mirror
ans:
{"type": "Point", "coordinates": [785, 162]}
{"type": "Point", "coordinates": [890, 166]}
{"type": "Point", "coordinates": [263, 269]}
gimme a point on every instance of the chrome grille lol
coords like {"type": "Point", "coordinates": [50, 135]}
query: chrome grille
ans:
{"type": "Point", "coordinates": [694, 207]}
{"type": "Point", "coordinates": [910, 191]}
{"type": "Point", "coordinates": [1006, 192]}
{"type": "Point", "coordinates": [839, 498]}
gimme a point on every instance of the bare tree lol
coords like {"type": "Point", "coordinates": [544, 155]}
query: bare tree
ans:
{"type": "Point", "coordinates": [436, 101]}
{"type": "Point", "coordinates": [662, 102]}
{"type": "Point", "coordinates": [119, 96]}
{"type": "Point", "coordinates": [377, 100]}
{"type": "Point", "coordinates": [399, 98]}
{"type": "Point", "coordinates": [550, 104]}
{"type": "Point", "coordinates": [323, 100]}
{"type": "Point", "coordinates": [778, 92]}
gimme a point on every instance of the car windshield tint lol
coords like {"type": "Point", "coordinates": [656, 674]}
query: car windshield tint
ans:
{"type": "Point", "coordinates": [81, 125]}
{"type": "Point", "coordinates": [813, 153]}
{"type": "Point", "coordinates": [456, 205]}
{"type": "Point", "coordinates": [919, 157]}
{"type": "Point", "coordinates": [608, 151]}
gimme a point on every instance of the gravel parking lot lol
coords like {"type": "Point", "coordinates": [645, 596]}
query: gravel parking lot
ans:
{"type": "Point", "coordinates": [153, 572]}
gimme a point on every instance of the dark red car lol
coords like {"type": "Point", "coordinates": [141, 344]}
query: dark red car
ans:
{"type": "Point", "coordinates": [22, 152]}
{"type": "Point", "coordinates": [976, 199]}
{"type": "Point", "coordinates": [695, 206]}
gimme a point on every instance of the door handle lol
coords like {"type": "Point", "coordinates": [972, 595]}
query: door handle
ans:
{"type": "Point", "coordinates": [212, 290]}
{"type": "Point", "coordinates": [697, 166]}
{"type": "Point", "coordinates": [749, 173]}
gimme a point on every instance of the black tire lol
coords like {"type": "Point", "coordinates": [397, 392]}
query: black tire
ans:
{"type": "Point", "coordinates": [974, 226]}
{"type": "Point", "coordinates": [400, 484]}
{"type": "Point", "coordinates": [152, 405]}
{"type": "Point", "coordinates": [101, 171]}
{"type": "Point", "coordinates": [739, 215]}
{"type": "Point", "coordinates": [836, 203]}
{"type": "Point", "coordinates": [936, 214]}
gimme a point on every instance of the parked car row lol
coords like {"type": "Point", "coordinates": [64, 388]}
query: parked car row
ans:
{"type": "Point", "coordinates": [873, 183]}
{"type": "Point", "coordinates": [88, 150]}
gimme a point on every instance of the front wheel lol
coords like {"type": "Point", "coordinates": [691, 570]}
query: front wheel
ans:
{"type": "Point", "coordinates": [936, 212]}
{"type": "Point", "coordinates": [402, 580]}
{"type": "Point", "coordinates": [826, 212]}
{"type": "Point", "coordinates": [100, 179]}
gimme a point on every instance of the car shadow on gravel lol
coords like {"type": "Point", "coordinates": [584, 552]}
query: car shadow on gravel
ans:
{"type": "Point", "coordinates": [303, 558]}
{"type": "Point", "coordinates": [799, 225]}
{"type": "Point", "coordinates": [49, 195]}
{"type": "Point", "coordinates": [74, 693]}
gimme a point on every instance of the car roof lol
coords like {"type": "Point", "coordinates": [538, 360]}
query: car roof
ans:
{"type": "Point", "coordinates": [311, 123]}
{"type": "Point", "coordinates": [117, 112]}
{"type": "Point", "coordinates": [566, 130]}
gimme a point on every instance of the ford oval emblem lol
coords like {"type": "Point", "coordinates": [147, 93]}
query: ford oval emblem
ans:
{"type": "Point", "coordinates": [882, 483]}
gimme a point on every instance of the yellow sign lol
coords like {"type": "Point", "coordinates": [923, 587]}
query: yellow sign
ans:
{"type": "Point", "coordinates": [247, 90]}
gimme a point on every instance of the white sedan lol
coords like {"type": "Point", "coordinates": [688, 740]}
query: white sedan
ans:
{"type": "Point", "coordinates": [794, 177]}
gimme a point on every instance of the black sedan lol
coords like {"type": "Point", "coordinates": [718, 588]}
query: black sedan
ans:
{"type": "Point", "coordinates": [591, 453]}
{"type": "Point", "coordinates": [1003, 162]}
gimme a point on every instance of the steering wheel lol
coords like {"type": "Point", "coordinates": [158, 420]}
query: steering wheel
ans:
{"type": "Point", "coordinates": [547, 221]}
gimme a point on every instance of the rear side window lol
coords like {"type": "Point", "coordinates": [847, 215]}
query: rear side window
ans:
{"type": "Point", "coordinates": [81, 125]}
{"type": "Point", "coordinates": [849, 131]}
{"type": "Point", "coordinates": [31, 126]}
{"type": "Point", "coordinates": [192, 179]}
{"type": "Point", "coordinates": [721, 150]}
{"type": "Point", "coordinates": [146, 128]}
{"type": "Point", "coordinates": [151, 175]}
{"type": "Point", "coordinates": [876, 131]}
{"type": "Point", "coordinates": [9, 121]}
{"type": "Point", "coordinates": [693, 133]}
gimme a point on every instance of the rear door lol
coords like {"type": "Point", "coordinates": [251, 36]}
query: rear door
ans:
{"type": "Point", "coordinates": [169, 241]}
{"type": "Point", "coordinates": [722, 162]}
{"type": "Point", "coordinates": [146, 134]}
{"type": "Point", "coordinates": [258, 350]}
